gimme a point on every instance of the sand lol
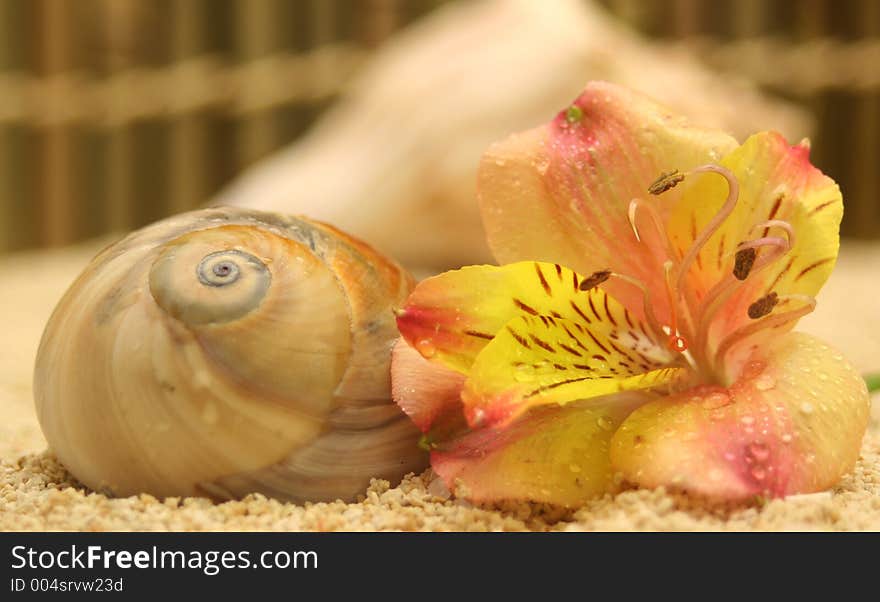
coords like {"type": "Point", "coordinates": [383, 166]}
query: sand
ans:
{"type": "Point", "coordinates": [37, 493]}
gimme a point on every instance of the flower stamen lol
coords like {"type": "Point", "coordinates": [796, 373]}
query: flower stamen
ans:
{"type": "Point", "coordinates": [636, 206]}
{"type": "Point", "coordinates": [761, 313]}
{"type": "Point", "coordinates": [665, 181]}
{"type": "Point", "coordinates": [594, 280]}
{"type": "Point", "coordinates": [763, 306]}
{"type": "Point", "coordinates": [715, 222]}
{"type": "Point", "coordinates": [722, 291]}
{"type": "Point", "coordinates": [745, 260]}
{"type": "Point", "coordinates": [597, 278]}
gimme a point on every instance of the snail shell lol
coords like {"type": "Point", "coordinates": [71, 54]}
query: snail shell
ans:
{"type": "Point", "coordinates": [223, 352]}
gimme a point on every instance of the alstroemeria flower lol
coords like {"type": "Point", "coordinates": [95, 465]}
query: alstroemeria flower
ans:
{"type": "Point", "coordinates": [638, 329]}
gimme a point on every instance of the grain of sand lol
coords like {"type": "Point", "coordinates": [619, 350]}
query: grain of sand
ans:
{"type": "Point", "coordinates": [37, 493]}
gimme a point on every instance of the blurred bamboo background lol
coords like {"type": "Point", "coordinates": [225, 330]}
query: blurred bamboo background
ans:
{"type": "Point", "coordinates": [114, 113]}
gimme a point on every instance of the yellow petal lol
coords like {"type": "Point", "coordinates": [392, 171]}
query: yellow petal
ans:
{"type": "Point", "coordinates": [792, 423]}
{"type": "Point", "coordinates": [560, 193]}
{"type": "Point", "coordinates": [776, 182]}
{"type": "Point", "coordinates": [450, 318]}
{"type": "Point", "coordinates": [537, 360]}
{"type": "Point", "coordinates": [555, 455]}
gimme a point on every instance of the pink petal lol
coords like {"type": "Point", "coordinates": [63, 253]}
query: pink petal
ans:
{"type": "Point", "coordinates": [792, 423]}
{"type": "Point", "coordinates": [560, 193]}
{"type": "Point", "coordinates": [424, 390]}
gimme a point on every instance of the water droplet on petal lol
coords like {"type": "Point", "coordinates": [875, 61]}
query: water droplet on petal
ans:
{"type": "Point", "coordinates": [426, 347]}
{"type": "Point", "coordinates": [747, 420]}
{"type": "Point", "coordinates": [716, 400]}
{"type": "Point", "coordinates": [765, 382]}
{"type": "Point", "coordinates": [806, 408]}
{"type": "Point", "coordinates": [574, 468]}
{"type": "Point", "coordinates": [759, 473]}
{"type": "Point", "coordinates": [605, 423]}
{"type": "Point", "coordinates": [786, 438]}
{"type": "Point", "coordinates": [759, 451]}
{"type": "Point", "coordinates": [523, 373]}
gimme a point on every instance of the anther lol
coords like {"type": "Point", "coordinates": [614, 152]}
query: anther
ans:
{"type": "Point", "coordinates": [763, 306]}
{"type": "Point", "coordinates": [745, 259]}
{"type": "Point", "coordinates": [594, 280]}
{"type": "Point", "coordinates": [665, 181]}
{"type": "Point", "coordinates": [767, 322]}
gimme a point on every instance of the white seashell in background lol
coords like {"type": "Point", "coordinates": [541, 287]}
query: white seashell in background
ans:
{"type": "Point", "coordinates": [409, 134]}
{"type": "Point", "coordinates": [227, 351]}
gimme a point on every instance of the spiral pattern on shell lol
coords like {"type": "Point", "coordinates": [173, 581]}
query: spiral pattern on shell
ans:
{"type": "Point", "coordinates": [223, 352]}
